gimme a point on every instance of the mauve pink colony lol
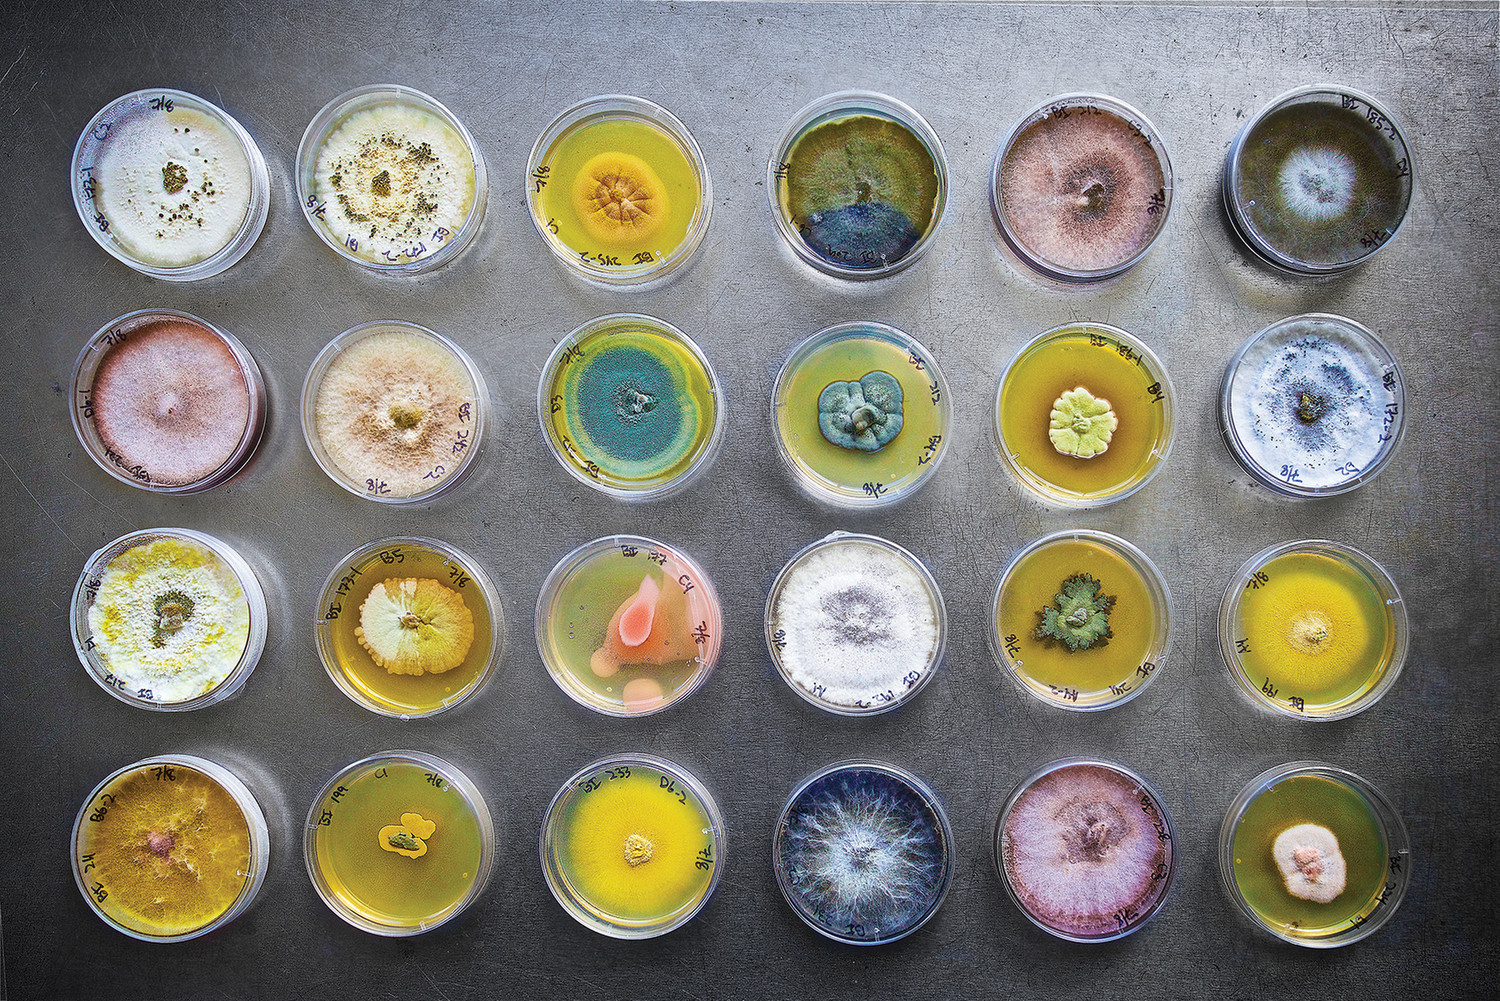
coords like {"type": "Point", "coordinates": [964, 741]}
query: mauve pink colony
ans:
{"type": "Point", "coordinates": [1075, 190]}
{"type": "Point", "coordinates": [172, 399]}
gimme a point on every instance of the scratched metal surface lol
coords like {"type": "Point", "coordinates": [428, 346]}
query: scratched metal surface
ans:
{"type": "Point", "coordinates": [735, 73]}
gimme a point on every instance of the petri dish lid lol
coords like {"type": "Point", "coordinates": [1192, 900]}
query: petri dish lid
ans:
{"type": "Point", "coordinates": [135, 122]}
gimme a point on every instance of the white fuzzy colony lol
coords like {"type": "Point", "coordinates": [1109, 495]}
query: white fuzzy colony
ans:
{"type": "Point", "coordinates": [1317, 182]}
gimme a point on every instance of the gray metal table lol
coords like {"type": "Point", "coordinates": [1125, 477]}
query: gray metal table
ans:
{"type": "Point", "coordinates": [735, 73]}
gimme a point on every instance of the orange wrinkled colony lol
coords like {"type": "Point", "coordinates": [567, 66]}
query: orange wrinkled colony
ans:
{"type": "Point", "coordinates": [649, 628]}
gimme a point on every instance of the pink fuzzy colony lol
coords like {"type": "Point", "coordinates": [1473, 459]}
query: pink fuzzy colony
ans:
{"type": "Point", "coordinates": [1082, 852]}
{"type": "Point", "coordinates": [1076, 190]}
{"type": "Point", "coordinates": [172, 399]}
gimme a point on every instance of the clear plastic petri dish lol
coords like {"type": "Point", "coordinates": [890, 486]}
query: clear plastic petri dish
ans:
{"type": "Point", "coordinates": [1319, 180]}
{"type": "Point", "coordinates": [1314, 854]}
{"type": "Point", "coordinates": [394, 412]}
{"type": "Point", "coordinates": [399, 843]}
{"type": "Point", "coordinates": [861, 412]}
{"type": "Point", "coordinates": [1313, 405]}
{"type": "Point", "coordinates": [1082, 620]}
{"type": "Point", "coordinates": [168, 619]}
{"type": "Point", "coordinates": [1084, 415]}
{"type": "Point", "coordinates": [619, 190]}
{"type": "Point", "coordinates": [1313, 630]}
{"type": "Point", "coordinates": [627, 625]}
{"type": "Point", "coordinates": [633, 846]}
{"type": "Point", "coordinates": [855, 624]}
{"type": "Point", "coordinates": [1084, 847]}
{"type": "Point", "coordinates": [167, 402]}
{"type": "Point", "coordinates": [630, 406]}
{"type": "Point", "coordinates": [863, 852]}
{"type": "Point", "coordinates": [409, 627]}
{"type": "Point", "coordinates": [391, 180]}
{"type": "Point", "coordinates": [170, 184]}
{"type": "Point", "coordinates": [170, 848]}
{"type": "Point", "coordinates": [858, 183]}
{"type": "Point", "coordinates": [1081, 187]}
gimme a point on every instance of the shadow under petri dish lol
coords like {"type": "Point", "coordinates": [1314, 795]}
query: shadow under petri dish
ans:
{"type": "Point", "coordinates": [863, 853]}
{"type": "Point", "coordinates": [165, 401]}
{"type": "Point", "coordinates": [1082, 188]}
{"type": "Point", "coordinates": [1085, 848]}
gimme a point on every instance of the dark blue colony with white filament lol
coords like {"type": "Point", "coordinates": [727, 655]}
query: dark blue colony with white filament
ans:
{"type": "Point", "coordinates": [863, 855]}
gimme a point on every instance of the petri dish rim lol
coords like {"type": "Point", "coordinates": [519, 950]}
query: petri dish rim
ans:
{"type": "Point", "coordinates": [815, 487]}
{"type": "Point", "coordinates": [255, 215]}
{"type": "Point", "coordinates": [697, 465]}
{"type": "Point", "coordinates": [1378, 576]}
{"type": "Point", "coordinates": [329, 594]}
{"type": "Point", "coordinates": [826, 108]}
{"type": "Point", "coordinates": [99, 346]}
{"type": "Point", "coordinates": [1156, 586]}
{"type": "Point", "coordinates": [335, 113]}
{"type": "Point", "coordinates": [456, 779]}
{"type": "Point", "coordinates": [1022, 787]}
{"type": "Point", "coordinates": [1162, 450]}
{"type": "Point", "coordinates": [564, 570]}
{"type": "Point", "coordinates": [255, 599]}
{"type": "Point", "coordinates": [314, 382]}
{"type": "Point", "coordinates": [1119, 109]}
{"type": "Point", "coordinates": [255, 821]}
{"type": "Point", "coordinates": [1399, 846]}
{"type": "Point", "coordinates": [1239, 221]}
{"type": "Point", "coordinates": [605, 107]}
{"type": "Point", "coordinates": [557, 883]}
{"type": "Point", "coordinates": [934, 661]}
{"type": "Point", "coordinates": [1234, 442]}
{"type": "Point", "coordinates": [929, 798]}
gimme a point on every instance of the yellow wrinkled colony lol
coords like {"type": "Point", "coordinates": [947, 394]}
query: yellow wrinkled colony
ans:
{"type": "Point", "coordinates": [619, 199]}
{"type": "Point", "coordinates": [415, 626]}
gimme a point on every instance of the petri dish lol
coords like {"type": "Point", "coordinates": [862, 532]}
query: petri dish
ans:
{"type": "Point", "coordinates": [1081, 187]}
{"type": "Point", "coordinates": [1084, 848]}
{"type": "Point", "coordinates": [1319, 180]}
{"type": "Point", "coordinates": [855, 624]}
{"type": "Point", "coordinates": [619, 190]}
{"type": "Point", "coordinates": [1081, 620]}
{"type": "Point", "coordinates": [399, 843]}
{"type": "Point", "coordinates": [858, 183]}
{"type": "Point", "coordinates": [1090, 448]}
{"type": "Point", "coordinates": [1313, 630]}
{"type": "Point", "coordinates": [861, 413]}
{"type": "Point", "coordinates": [627, 625]}
{"type": "Point", "coordinates": [167, 402]}
{"type": "Point", "coordinates": [409, 627]}
{"type": "Point", "coordinates": [630, 406]}
{"type": "Point", "coordinates": [863, 852]}
{"type": "Point", "coordinates": [394, 412]}
{"type": "Point", "coordinates": [170, 848]}
{"type": "Point", "coordinates": [1314, 854]}
{"type": "Point", "coordinates": [632, 846]}
{"type": "Point", "coordinates": [169, 619]}
{"type": "Point", "coordinates": [391, 180]}
{"type": "Point", "coordinates": [1313, 405]}
{"type": "Point", "coordinates": [170, 184]}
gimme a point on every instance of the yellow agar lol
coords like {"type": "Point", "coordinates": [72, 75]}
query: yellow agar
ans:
{"type": "Point", "coordinates": [391, 888]}
{"type": "Point", "coordinates": [629, 850]}
{"type": "Point", "coordinates": [588, 148]}
{"type": "Point", "coordinates": [1049, 665]}
{"type": "Point", "coordinates": [1043, 374]}
{"type": "Point", "coordinates": [201, 856]}
{"type": "Point", "coordinates": [403, 693]}
{"type": "Point", "coordinates": [1317, 628]}
{"type": "Point", "coordinates": [903, 459]}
